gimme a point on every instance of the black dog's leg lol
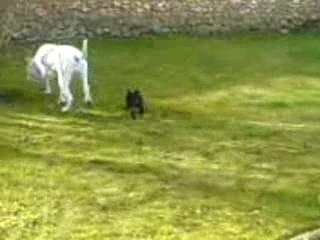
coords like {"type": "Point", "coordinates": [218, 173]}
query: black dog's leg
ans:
{"type": "Point", "coordinates": [133, 114]}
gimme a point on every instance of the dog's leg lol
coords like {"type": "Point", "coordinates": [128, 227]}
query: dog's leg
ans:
{"type": "Point", "coordinates": [69, 101]}
{"type": "Point", "coordinates": [48, 89]}
{"type": "Point", "coordinates": [67, 93]}
{"type": "Point", "coordinates": [62, 96]}
{"type": "Point", "coordinates": [85, 82]}
{"type": "Point", "coordinates": [133, 114]}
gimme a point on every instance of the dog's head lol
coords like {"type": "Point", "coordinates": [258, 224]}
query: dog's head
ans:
{"type": "Point", "coordinates": [32, 70]}
{"type": "Point", "coordinates": [133, 98]}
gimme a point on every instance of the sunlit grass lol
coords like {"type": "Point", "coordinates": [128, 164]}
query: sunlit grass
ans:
{"type": "Point", "coordinates": [228, 149]}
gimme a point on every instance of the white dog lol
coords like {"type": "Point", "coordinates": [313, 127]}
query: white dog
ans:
{"type": "Point", "coordinates": [62, 62]}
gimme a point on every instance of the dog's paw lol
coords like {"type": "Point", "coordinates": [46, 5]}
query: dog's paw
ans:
{"type": "Point", "coordinates": [65, 109]}
{"type": "Point", "coordinates": [87, 98]}
{"type": "Point", "coordinates": [88, 102]}
{"type": "Point", "coordinates": [62, 103]}
{"type": "Point", "coordinates": [48, 92]}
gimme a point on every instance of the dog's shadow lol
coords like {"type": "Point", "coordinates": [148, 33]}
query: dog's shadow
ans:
{"type": "Point", "coordinates": [96, 115]}
{"type": "Point", "coordinates": [15, 95]}
{"type": "Point", "coordinates": [5, 99]}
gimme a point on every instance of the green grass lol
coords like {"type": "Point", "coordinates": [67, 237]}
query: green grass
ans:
{"type": "Point", "coordinates": [229, 148]}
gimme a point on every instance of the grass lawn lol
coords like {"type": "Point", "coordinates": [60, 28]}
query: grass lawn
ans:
{"type": "Point", "coordinates": [229, 149]}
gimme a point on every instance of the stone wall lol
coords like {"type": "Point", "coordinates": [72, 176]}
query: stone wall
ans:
{"type": "Point", "coordinates": [49, 19]}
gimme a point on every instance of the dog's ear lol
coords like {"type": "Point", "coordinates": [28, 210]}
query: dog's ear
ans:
{"type": "Point", "coordinates": [136, 92]}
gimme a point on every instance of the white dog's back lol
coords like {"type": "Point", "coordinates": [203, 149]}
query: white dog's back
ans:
{"type": "Point", "coordinates": [44, 49]}
{"type": "Point", "coordinates": [68, 57]}
{"type": "Point", "coordinates": [48, 53]}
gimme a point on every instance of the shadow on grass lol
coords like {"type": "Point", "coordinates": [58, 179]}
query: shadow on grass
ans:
{"type": "Point", "coordinates": [9, 95]}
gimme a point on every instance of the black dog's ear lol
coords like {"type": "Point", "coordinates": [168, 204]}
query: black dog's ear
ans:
{"type": "Point", "coordinates": [137, 92]}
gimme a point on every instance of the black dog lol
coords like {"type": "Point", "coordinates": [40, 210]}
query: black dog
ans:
{"type": "Point", "coordinates": [134, 102]}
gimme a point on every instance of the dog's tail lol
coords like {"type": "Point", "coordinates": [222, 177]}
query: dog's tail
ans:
{"type": "Point", "coordinates": [85, 48]}
{"type": "Point", "coordinates": [85, 55]}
